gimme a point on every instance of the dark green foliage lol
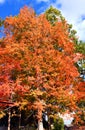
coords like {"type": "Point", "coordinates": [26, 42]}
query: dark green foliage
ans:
{"type": "Point", "coordinates": [53, 15]}
{"type": "Point", "coordinates": [80, 47]}
{"type": "Point", "coordinates": [58, 124]}
{"type": "Point", "coordinates": [1, 22]}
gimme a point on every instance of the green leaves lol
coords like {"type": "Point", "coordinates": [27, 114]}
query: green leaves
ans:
{"type": "Point", "coordinates": [53, 15]}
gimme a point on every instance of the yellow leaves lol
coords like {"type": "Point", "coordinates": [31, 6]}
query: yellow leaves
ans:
{"type": "Point", "coordinates": [38, 92]}
{"type": "Point", "coordinates": [2, 114]}
{"type": "Point", "coordinates": [23, 104]}
{"type": "Point", "coordinates": [16, 104]}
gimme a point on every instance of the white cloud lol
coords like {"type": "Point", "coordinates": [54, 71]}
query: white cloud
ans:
{"type": "Point", "coordinates": [73, 10]}
{"type": "Point", "coordinates": [2, 1]}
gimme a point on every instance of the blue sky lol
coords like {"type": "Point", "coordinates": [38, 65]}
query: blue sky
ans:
{"type": "Point", "coordinates": [72, 10]}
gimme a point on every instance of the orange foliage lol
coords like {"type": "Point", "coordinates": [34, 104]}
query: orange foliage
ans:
{"type": "Point", "coordinates": [37, 60]}
{"type": "Point", "coordinates": [81, 91]}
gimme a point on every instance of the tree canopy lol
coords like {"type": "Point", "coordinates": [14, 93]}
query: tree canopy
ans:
{"type": "Point", "coordinates": [37, 64]}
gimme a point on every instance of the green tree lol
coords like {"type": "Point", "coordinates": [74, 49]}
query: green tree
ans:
{"type": "Point", "coordinates": [80, 47]}
{"type": "Point", "coordinates": [58, 124]}
{"type": "Point", "coordinates": [53, 15]}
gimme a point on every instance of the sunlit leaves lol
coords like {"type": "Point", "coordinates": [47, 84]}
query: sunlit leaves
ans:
{"type": "Point", "coordinates": [37, 63]}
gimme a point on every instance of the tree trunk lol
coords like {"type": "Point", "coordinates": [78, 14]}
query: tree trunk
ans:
{"type": "Point", "coordinates": [19, 120]}
{"type": "Point", "coordinates": [40, 125]}
{"type": "Point", "coordinates": [9, 119]}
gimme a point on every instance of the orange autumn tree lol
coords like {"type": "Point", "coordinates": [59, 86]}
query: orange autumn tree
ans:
{"type": "Point", "coordinates": [37, 64]}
